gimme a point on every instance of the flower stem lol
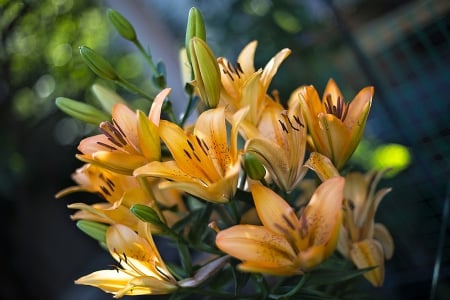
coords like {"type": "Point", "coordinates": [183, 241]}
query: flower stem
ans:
{"type": "Point", "coordinates": [291, 292]}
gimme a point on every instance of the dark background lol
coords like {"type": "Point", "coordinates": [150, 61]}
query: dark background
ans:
{"type": "Point", "coordinates": [400, 47]}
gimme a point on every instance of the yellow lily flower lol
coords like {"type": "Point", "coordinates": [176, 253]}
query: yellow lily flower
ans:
{"type": "Point", "coordinates": [242, 85]}
{"type": "Point", "coordinates": [362, 240]}
{"type": "Point", "coordinates": [286, 244]}
{"type": "Point", "coordinates": [130, 140]}
{"type": "Point", "coordinates": [204, 164]}
{"type": "Point", "coordinates": [280, 144]}
{"type": "Point", "coordinates": [335, 127]}
{"type": "Point", "coordinates": [142, 270]}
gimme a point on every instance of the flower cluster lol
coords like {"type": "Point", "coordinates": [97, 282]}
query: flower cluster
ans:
{"type": "Point", "coordinates": [256, 185]}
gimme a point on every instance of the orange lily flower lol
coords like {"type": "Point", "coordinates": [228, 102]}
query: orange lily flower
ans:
{"type": "Point", "coordinates": [142, 270]}
{"type": "Point", "coordinates": [286, 244]}
{"type": "Point", "coordinates": [121, 192]}
{"type": "Point", "coordinates": [130, 140]}
{"type": "Point", "coordinates": [242, 85]}
{"type": "Point", "coordinates": [280, 144]}
{"type": "Point", "coordinates": [335, 127]}
{"type": "Point", "coordinates": [365, 242]}
{"type": "Point", "coordinates": [204, 164]}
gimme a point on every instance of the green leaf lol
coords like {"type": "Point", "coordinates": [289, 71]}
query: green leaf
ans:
{"type": "Point", "coordinates": [327, 276]}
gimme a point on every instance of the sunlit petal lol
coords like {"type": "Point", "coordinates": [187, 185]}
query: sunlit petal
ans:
{"type": "Point", "coordinates": [322, 217]}
{"type": "Point", "coordinates": [256, 244]}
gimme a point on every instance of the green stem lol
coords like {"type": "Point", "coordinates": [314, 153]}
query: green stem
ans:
{"type": "Point", "coordinates": [147, 56]}
{"type": "Point", "coordinates": [221, 295]}
{"type": "Point", "coordinates": [262, 284]}
{"type": "Point", "coordinates": [291, 292]}
{"type": "Point", "coordinates": [235, 211]}
{"type": "Point", "coordinates": [131, 87]}
{"type": "Point", "coordinates": [187, 112]}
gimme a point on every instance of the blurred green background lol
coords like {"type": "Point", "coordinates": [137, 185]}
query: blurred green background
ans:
{"type": "Point", "coordinates": [400, 47]}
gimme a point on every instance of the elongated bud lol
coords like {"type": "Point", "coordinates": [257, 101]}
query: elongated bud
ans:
{"type": "Point", "coordinates": [254, 168]}
{"type": "Point", "coordinates": [195, 28]}
{"type": "Point", "coordinates": [206, 72]}
{"type": "Point", "coordinates": [107, 97]}
{"type": "Point", "coordinates": [147, 214]}
{"type": "Point", "coordinates": [81, 111]}
{"type": "Point", "coordinates": [123, 27]}
{"type": "Point", "coordinates": [98, 64]}
{"type": "Point", "coordinates": [95, 230]}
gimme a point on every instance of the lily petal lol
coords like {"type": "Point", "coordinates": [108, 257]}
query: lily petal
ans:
{"type": "Point", "coordinates": [275, 213]}
{"type": "Point", "coordinates": [257, 245]}
{"type": "Point", "coordinates": [369, 253]}
{"type": "Point", "coordinates": [322, 217]}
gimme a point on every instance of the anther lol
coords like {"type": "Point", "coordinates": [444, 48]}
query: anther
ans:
{"type": "Point", "coordinates": [187, 153]}
{"type": "Point", "coordinates": [283, 126]}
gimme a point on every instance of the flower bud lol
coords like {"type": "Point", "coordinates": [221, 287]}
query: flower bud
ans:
{"type": "Point", "coordinates": [147, 214]}
{"type": "Point", "coordinates": [98, 64]}
{"type": "Point", "coordinates": [254, 168]}
{"type": "Point", "coordinates": [195, 27]}
{"type": "Point", "coordinates": [106, 97]}
{"type": "Point", "coordinates": [81, 111]}
{"type": "Point", "coordinates": [206, 72]}
{"type": "Point", "coordinates": [123, 27]}
{"type": "Point", "coordinates": [95, 230]}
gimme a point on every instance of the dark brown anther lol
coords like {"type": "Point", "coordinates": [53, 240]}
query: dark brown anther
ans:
{"type": "Point", "coordinates": [187, 153]}
{"type": "Point", "coordinates": [283, 126]}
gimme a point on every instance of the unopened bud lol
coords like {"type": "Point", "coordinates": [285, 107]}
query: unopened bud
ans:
{"type": "Point", "coordinates": [81, 111]}
{"type": "Point", "coordinates": [123, 27]}
{"type": "Point", "coordinates": [95, 230]}
{"type": "Point", "coordinates": [98, 64]}
{"type": "Point", "coordinates": [206, 72]}
{"type": "Point", "coordinates": [195, 27]}
{"type": "Point", "coordinates": [254, 168]}
{"type": "Point", "coordinates": [147, 214]}
{"type": "Point", "coordinates": [107, 97]}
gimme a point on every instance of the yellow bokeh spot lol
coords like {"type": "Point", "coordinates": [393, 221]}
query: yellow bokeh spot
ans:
{"type": "Point", "coordinates": [394, 156]}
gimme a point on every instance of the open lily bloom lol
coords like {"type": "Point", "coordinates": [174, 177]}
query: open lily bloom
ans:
{"type": "Point", "coordinates": [142, 270]}
{"type": "Point", "coordinates": [280, 144]}
{"type": "Point", "coordinates": [335, 127]}
{"type": "Point", "coordinates": [286, 244]}
{"type": "Point", "coordinates": [130, 140]}
{"type": "Point", "coordinates": [205, 164]}
{"type": "Point", "coordinates": [244, 86]}
{"type": "Point", "coordinates": [365, 242]}
{"type": "Point", "coordinates": [121, 192]}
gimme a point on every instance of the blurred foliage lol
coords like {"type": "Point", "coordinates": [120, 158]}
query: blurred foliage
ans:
{"type": "Point", "coordinates": [39, 61]}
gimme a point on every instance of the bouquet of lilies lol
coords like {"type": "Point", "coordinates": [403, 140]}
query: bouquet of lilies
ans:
{"type": "Point", "coordinates": [254, 198]}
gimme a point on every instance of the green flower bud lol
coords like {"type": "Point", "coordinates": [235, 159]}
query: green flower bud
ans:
{"type": "Point", "coordinates": [95, 230]}
{"type": "Point", "coordinates": [81, 111]}
{"type": "Point", "coordinates": [106, 97]}
{"type": "Point", "coordinates": [147, 214]}
{"type": "Point", "coordinates": [254, 168]}
{"type": "Point", "coordinates": [206, 72]}
{"type": "Point", "coordinates": [98, 64]}
{"type": "Point", "coordinates": [195, 28]}
{"type": "Point", "coordinates": [123, 27]}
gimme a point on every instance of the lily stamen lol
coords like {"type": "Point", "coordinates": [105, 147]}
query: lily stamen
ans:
{"type": "Point", "coordinates": [114, 133]}
{"type": "Point", "coordinates": [340, 110]}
